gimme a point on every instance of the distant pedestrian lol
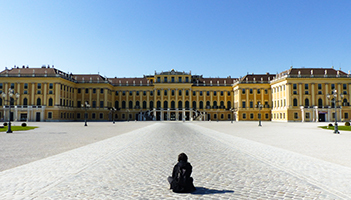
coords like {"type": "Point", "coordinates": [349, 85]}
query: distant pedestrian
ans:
{"type": "Point", "coordinates": [180, 181]}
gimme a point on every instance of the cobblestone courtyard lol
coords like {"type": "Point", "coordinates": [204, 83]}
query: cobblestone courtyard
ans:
{"type": "Point", "coordinates": [132, 161]}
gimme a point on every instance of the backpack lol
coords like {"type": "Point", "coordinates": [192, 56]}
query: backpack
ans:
{"type": "Point", "coordinates": [180, 181]}
{"type": "Point", "coordinates": [181, 177]}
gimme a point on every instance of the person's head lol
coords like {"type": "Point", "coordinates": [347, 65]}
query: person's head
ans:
{"type": "Point", "coordinates": [182, 157]}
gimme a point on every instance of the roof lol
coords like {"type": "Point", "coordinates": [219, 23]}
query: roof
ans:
{"type": "Point", "coordinates": [26, 70]}
{"type": "Point", "coordinates": [129, 81]}
{"type": "Point", "coordinates": [258, 77]}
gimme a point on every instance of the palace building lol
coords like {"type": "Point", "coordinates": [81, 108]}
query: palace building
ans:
{"type": "Point", "coordinates": [297, 94]}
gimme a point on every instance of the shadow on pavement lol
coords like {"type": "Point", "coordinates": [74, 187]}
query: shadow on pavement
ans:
{"type": "Point", "coordinates": [202, 190]}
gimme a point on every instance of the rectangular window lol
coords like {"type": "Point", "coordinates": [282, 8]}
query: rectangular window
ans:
{"type": "Point", "coordinates": [51, 86]}
{"type": "Point", "coordinates": [137, 93]}
{"type": "Point", "coordinates": [13, 85]}
{"type": "Point", "coordinates": [0, 85]}
{"type": "Point", "coordinates": [186, 79]}
{"type": "Point", "coordinates": [258, 91]}
{"type": "Point", "coordinates": [79, 90]}
{"type": "Point", "coordinates": [296, 115]}
{"type": "Point", "coordinates": [144, 93]}
{"type": "Point", "coordinates": [101, 91]}
{"type": "Point", "coordinates": [165, 80]}
{"type": "Point", "coordinates": [172, 79]}
{"type": "Point", "coordinates": [294, 86]}
{"type": "Point", "coordinates": [39, 85]}
{"type": "Point", "coordinates": [116, 93]}
{"type": "Point", "coordinates": [294, 92]}
{"type": "Point", "coordinates": [93, 116]}
{"type": "Point", "coordinates": [346, 115]}
{"type": "Point", "coordinates": [332, 86]}
{"type": "Point", "coordinates": [39, 92]}
{"type": "Point", "coordinates": [214, 93]}
{"type": "Point", "coordinates": [124, 93]}
{"type": "Point", "coordinates": [51, 92]}
{"type": "Point", "coordinates": [158, 79]}
{"type": "Point", "coordinates": [251, 104]}
{"type": "Point", "coordinates": [180, 79]}
{"type": "Point", "coordinates": [94, 91]}
{"type": "Point", "coordinates": [228, 93]}
{"type": "Point", "coordinates": [208, 93]}
{"type": "Point", "coordinates": [94, 104]}
{"type": "Point", "coordinates": [151, 93]}
{"type": "Point", "coordinates": [266, 91]}
{"type": "Point", "coordinates": [101, 115]}
{"type": "Point", "coordinates": [86, 90]}
{"type": "Point", "coordinates": [200, 93]}
{"type": "Point", "coordinates": [344, 86]}
{"type": "Point", "coordinates": [101, 104]}
{"type": "Point", "coordinates": [130, 93]}
{"type": "Point", "coordinates": [78, 115]}
{"type": "Point", "coordinates": [319, 86]}
{"type": "Point", "coordinates": [251, 115]}
{"type": "Point", "coordinates": [306, 86]}
{"type": "Point", "coordinates": [194, 93]}
{"type": "Point", "coordinates": [266, 116]}
{"type": "Point", "coordinates": [50, 115]}
{"type": "Point", "coordinates": [79, 104]}
{"type": "Point", "coordinates": [244, 115]}
{"type": "Point", "coordinates": [244, 104]}
{"type": "Point", "coordinates": [243, 91]}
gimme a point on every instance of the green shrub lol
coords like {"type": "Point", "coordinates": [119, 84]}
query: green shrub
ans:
{"type": "Point", "coordinates": [5, 124]}
{"type": "Point", "coordinates": [347, 123]}
{"type": "Point", "coordinates": [24, 124]}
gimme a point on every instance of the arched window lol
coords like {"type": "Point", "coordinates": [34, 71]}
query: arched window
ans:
{"type": "Point", "coordinates": [25, 101]}
{"type": "Point", "coordinates": [180, 104]}
{"type": "Point", "coordinates": [50, 102]}
{"type": "Point", "coordinates": [172, 104]}
{"type": "Point", "coordinates": [187, 106]}
{"type": "Point", "coordinates": [0, 101]}
{"type": "Point", "coordinates": [165, 105]}
{"type": "Point", "coordinates": [320, 103]}
{"type": "Point", "coordinates": [201, 105]}
{"type": "Point", "coordinates": [123, 104]}
{"type": "Point", "coordinates": [12, 101]}
{"type": "Point", "coordinates": [215, 104]}
{"type": "Point", "coordinates": [194, 104]}
{"type": "Point", "coordinates": [144, 105]}
{"type": "Point", "coordinates": [116, 104]}
{"type": "Point", "coordinates": [222, 104]}
{"type": "Point", "coordinates": [295, 102]}
{"type": "Point", "coordinates": [137, 104]}
{"type": "Point", "coordinates": [130, 106]}
{"type": "Point", "coordinates": [229, 104]}
{"type": "Point", "coordinates": [345, 103]}
{"type": "Point", "coordinates": [208, 105]}
{"type": "Point", "coordinates": [151, 105]}
{"type": "Point", "coordinates": [38, 101]}
{"type": "Point", "coordinates": [307, 102]}
{"type": "Point", "coordinates": [158, 105]}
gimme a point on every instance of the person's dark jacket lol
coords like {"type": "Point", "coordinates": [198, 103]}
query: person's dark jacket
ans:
{"type": "Point", "coordinates": [189, 186]}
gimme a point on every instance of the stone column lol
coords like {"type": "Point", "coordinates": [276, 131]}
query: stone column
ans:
{"type": "Point", "coordinates": [302, 113]}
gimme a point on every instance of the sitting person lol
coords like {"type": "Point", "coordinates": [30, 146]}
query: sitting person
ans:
{"type": "Point", "coordinates": [181, 182]}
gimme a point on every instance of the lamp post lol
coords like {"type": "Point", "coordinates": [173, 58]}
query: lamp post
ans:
{"type": "Point", "coordinates": [10, 94]}
{"type": "Point", "coordinates": [85, 106]}
{"type": "Point", "coordinates": [333, 100]}
{"type": "Point", "coordinates": [259, 105]}
{"type": "Point", "coordinates": [113, 109]}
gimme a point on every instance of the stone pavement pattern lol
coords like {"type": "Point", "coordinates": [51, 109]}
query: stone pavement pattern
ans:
{"type": "Point", "coordinates": [135, 165]}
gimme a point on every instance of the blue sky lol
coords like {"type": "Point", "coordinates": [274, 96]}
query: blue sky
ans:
{"type": "Point", "coordinates": [131, 38]}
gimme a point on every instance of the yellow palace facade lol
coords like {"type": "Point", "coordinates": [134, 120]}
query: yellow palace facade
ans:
{"type": "Point", "coordinates": [297, 94]}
